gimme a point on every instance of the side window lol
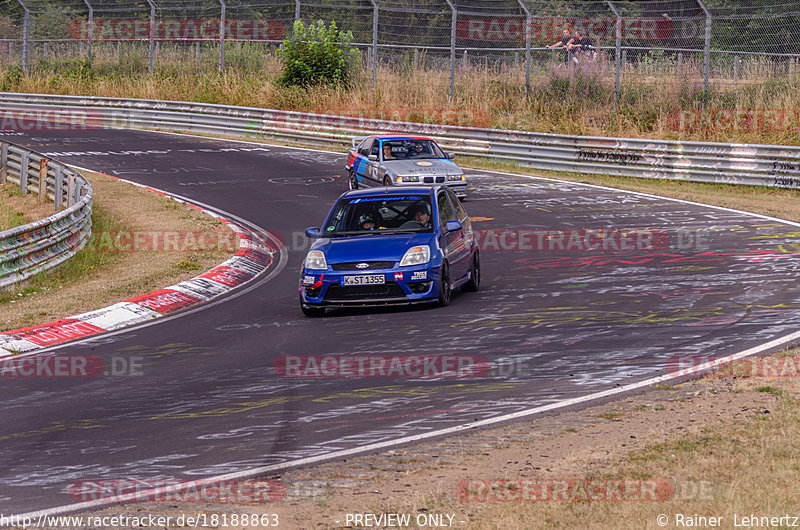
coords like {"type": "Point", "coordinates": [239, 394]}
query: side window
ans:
{"type": "Point", "coordinates": [461, 214]}
{"type": "Point", "coordinates": [374, 150]}
{"type": "Point", "coordinates": [365, 147]}
{"type": "Point", "coordinates": [446, 212]}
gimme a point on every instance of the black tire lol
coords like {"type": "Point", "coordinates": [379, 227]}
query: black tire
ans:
{"type": "Point", "coordinates": [312, 311]}
{"type": "Point", "coordinates": [474, 282]}
{"type": "Point", "coordinates": [445, 293]}
{"type": "Point", "coordinates": [352, 181]}
{"type": "Point", "coordinates": [387, 181]}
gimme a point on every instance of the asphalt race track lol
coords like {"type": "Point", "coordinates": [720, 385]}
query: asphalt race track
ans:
{"type": "Point", "coordinates": [552, 324]}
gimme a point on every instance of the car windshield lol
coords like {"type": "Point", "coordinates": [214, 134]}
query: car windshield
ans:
{"type": "Point", "coordinates": [409, 148]}
{"type": "Point", "coordinates": [364, 216]}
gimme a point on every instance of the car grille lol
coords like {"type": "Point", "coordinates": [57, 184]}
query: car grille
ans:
{"type": "Point", "coordinates": [339, 293]}
{"type": "Point", "coordinates": [427, 180]}
{"type": "Point", "coordinates": [439, 179]}
{"type": "Point", "coordinates": [351, 266]}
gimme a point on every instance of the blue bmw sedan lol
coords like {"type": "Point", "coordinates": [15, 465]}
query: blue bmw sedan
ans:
{"type": "Point", "coordinates": [390, 246]}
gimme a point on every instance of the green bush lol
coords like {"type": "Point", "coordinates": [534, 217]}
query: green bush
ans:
{"type": "Point", "coordinates": [316, 55]}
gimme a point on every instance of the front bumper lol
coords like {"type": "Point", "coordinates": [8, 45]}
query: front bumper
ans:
{"type": "Point", "coordinates": [408, 285]}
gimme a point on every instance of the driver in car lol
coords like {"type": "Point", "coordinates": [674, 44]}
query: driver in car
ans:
{"type": "Point", "coordinates": [420, 217]}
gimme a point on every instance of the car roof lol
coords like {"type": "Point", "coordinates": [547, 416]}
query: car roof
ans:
{"type": "Point", "coordinates": [383, 192]}
{"type": "Point", "coordinates": [399, 137]}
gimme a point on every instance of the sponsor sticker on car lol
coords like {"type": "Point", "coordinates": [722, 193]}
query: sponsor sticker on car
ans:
{"type": "Point", "coordinates": [420, 275]}
{"type": "Point", "coordinates": [369, 279]}
{"type": "Point", "coordinates": [308, 280]}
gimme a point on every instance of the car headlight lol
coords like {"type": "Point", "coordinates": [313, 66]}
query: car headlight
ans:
{"type": "Point", "coordinates": [315, 260]}
{"type": "Point", "coordinates": [411, 178]}
{"type": "Point", "coordinates": [456, 177]}
{"type": "Point", "coordinates": [416, 256]}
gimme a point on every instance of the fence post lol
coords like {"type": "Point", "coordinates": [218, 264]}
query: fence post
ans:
{"type": "Point", "coordinates": [374, 42]}
{"type": "Point", "coordinates": [42, 180]}
{"type": "Point", "coordinates": [453, 20]}
{"type": "Point", "coordinates": [617, 55]}
{"type": "Point", "coordinates": [296, 10]}
{"type": "Point", "coordinates": [152, 36]}
{"type": "Point", "coordinates": [222, 36]}
{"type": "Point", "coordinates": [23, 173]}
{"type": "Point", "coordinates": [26, 33]}
{"type": "Point", "coordinates": [3, 162]}
{"type": "Point", "coordinates": [91, 29]}
{"type": "Point", "coordinates": [58, 188]}
{"type": "Point", "coordinates": [527, 45]}
{"type": "Point", "coordinates": [736, 60]}
{"type": "Point", "coordinates": [706, 53]}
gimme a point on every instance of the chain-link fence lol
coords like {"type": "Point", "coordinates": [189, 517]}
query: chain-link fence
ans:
{"type": "Point", "coordinates": [691, 45]}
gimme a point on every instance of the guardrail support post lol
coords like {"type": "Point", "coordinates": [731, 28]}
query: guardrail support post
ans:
{"type": "Point", "coordinates": [42, 180]}
{"type": "Point", "coordinates": [58, 189]}
{"type": "Point", "coordinates": [3, 162]}
{"type": "Point", "coordinates": [23, 173]}
{"type": "Point", "coordinates": [71, 190]}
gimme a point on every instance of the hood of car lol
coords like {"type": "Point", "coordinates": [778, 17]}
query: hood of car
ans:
{"type": "Point", "coordinates": [422, 167]}
{"type": "Point", "coordinates": [389, 247]}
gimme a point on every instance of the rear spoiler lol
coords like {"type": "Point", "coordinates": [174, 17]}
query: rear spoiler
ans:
{"type": "Point", "coordinates": [358, 139]}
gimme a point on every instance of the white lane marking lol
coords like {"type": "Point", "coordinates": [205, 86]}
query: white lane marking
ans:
{"type": "Point", "coordinates": [162, 491]}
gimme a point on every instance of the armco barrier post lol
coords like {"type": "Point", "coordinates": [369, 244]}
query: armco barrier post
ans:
{"type": "Point", "coordinates": [70, 190]}
{"type": "Point", "coordinates": [42, 180]}
{"type": "Point", "coordinates": [23, 173]}
{"type": "Point", "coordinates": [58, 188]}
{"type": "Point", "coordinates": [3, 162]}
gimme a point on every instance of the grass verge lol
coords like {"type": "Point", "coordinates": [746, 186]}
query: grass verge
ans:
{"type": "Point", "coordinates": [110, 269]}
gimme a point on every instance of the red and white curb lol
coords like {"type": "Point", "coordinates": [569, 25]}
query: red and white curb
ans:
{"type": "Point", "coordinates": [255, 255]}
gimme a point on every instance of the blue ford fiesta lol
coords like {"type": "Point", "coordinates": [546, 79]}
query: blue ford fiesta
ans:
{"type": "Point", "coordinates": [390, 246]}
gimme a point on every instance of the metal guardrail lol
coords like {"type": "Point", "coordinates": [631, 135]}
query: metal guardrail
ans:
{"type": "Point", "coordinates": [748, 164]}
{"type": "Point", "coordinates": [35, 247]}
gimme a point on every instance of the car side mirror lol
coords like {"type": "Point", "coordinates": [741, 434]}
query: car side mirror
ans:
{"type": "Point", "coordinates": [453, 226]}
{"type": "Point", "coordinates": [312, 232]}
{"type": "Point", "coordinates": [451, 155]}
{"type": "Point", "coordinates": [374, 158]}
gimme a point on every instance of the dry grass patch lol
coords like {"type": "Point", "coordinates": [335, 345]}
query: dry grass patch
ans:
{"type": "Point", "coordinates": [17, 209]}
{"type": "Point", "coordinates": [103, 275]}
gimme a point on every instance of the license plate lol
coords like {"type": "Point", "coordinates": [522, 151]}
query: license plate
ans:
{"type": "Point", "coordinates": [369, 279]}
